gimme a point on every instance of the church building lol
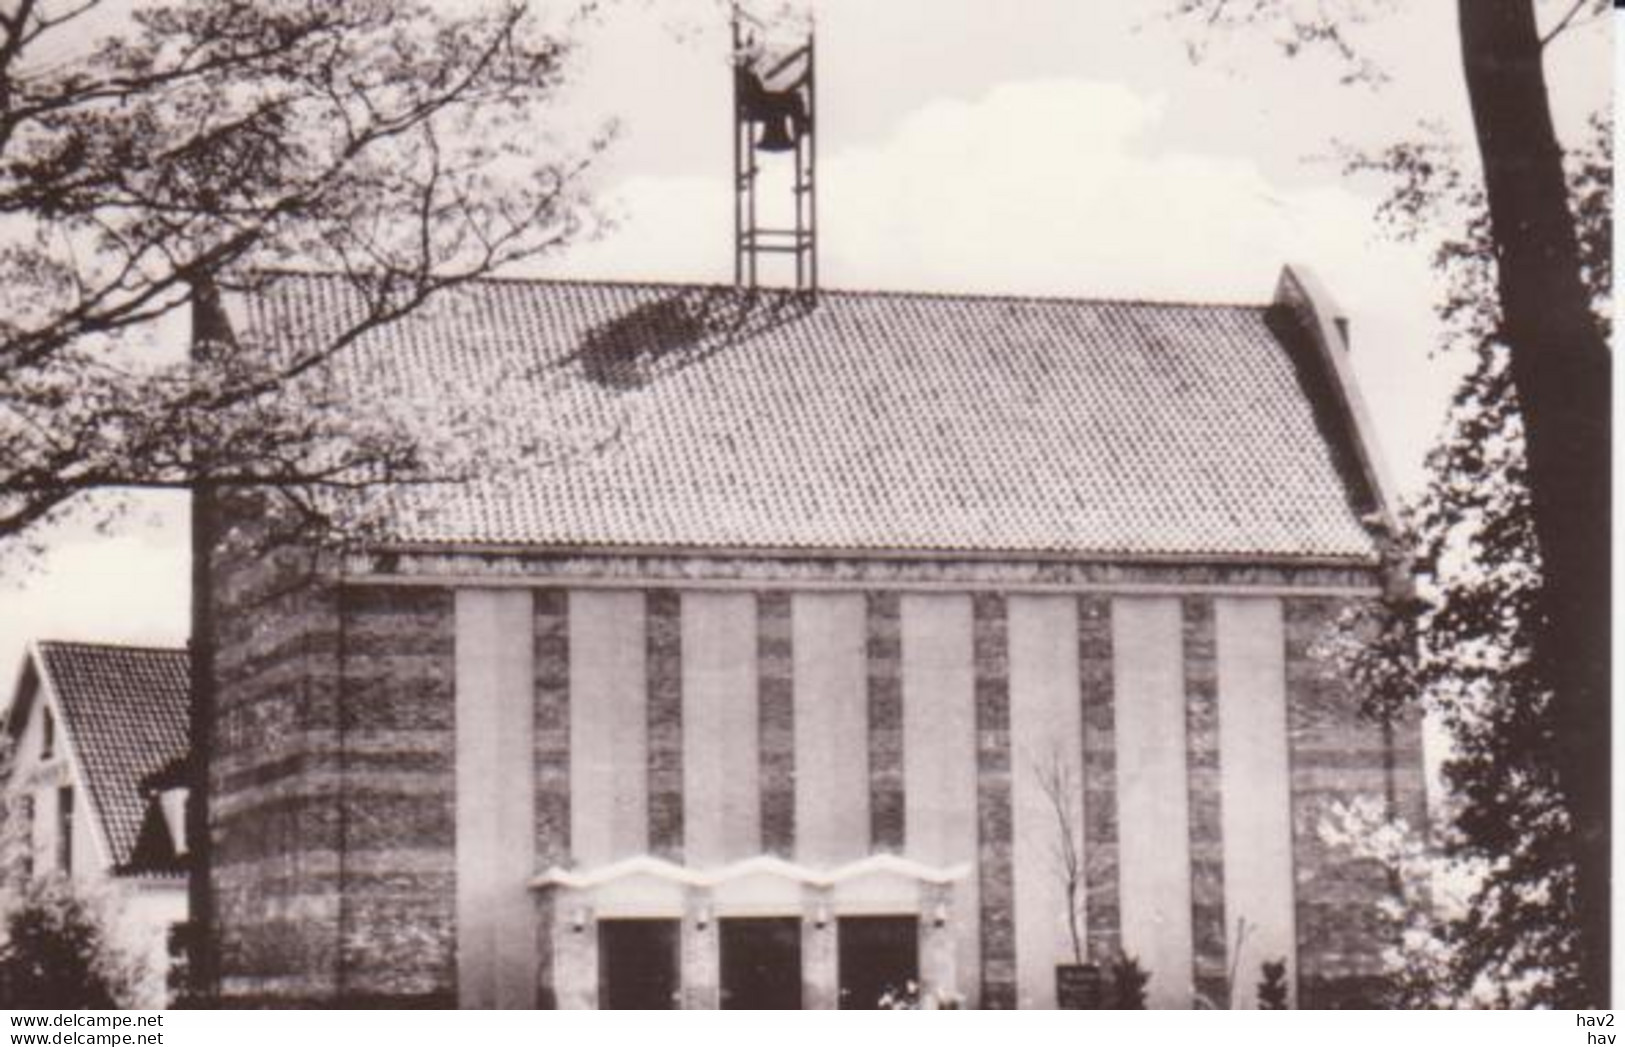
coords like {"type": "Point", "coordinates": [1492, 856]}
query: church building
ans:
{"type": "Point", "coordinates": [824, 645]}
{"type": "Point", "coordinates": [804, 648]}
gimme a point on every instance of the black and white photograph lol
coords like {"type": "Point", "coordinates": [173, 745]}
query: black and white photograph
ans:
{"type": "Point", "coordinates": [805, 505]}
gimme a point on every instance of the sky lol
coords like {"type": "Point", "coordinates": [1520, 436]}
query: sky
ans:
{"type": "Point", "coordinates": [1051, 147]}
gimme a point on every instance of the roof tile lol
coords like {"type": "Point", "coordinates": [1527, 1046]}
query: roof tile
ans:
{"type": "Point", "coordinates": [688, 416]}
{"type": "Point", "coordinates": [126, 714]}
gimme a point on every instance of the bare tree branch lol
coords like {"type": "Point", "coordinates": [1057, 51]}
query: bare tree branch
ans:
{"type": "Point", "coordinates": [1064, 793]}
{"type": "Point", "coordinates": [1599, 9]}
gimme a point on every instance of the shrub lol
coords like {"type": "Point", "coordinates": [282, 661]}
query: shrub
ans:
{"type": "Point", "coordinates": [56, 953]}
{"type": "Point", "coordinates": [1128, 984]}
{"type": "Point", "coordinates": [1272, 987]}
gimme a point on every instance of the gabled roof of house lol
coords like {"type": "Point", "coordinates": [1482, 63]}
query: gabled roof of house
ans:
{"type": "Point", "coordinates": [123, 712]}
{"type": "Point", "coordinates": [658, 416]}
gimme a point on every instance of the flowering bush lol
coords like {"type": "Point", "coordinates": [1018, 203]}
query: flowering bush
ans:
{"type": "Point", "coordinates": [909, 998]}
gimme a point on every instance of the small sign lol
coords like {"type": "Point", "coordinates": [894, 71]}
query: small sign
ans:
{"type": "Point", "coordinates": [1078, 987]}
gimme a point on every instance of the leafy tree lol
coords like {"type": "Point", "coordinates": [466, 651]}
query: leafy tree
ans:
{"type": "Point", "coordinates": [1419, 952]}
{"type": "Point", "coordinates": [151, 161]}
{"type": "Point", "coordinates": [1535, 413]}
{"type": "Point", "coordinates": [1466, 643]}
{"type": "Point", "coordinates": [1479, 659]}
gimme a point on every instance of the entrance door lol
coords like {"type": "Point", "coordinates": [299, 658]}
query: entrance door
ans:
{"type": "Point", "coordinates": [878, 955]}
{"type": "Point", "coordinates": [761, 964]}
{"type": "Point", "coordinates": [637, 965]}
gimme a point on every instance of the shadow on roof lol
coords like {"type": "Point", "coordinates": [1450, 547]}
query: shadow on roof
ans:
{"type": "Point", "coordinates": [679, 329]}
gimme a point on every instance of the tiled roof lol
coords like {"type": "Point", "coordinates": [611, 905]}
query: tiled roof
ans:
{"type": "Point", "coordinates": [684, 416]}
{"type": "Point", "coordinates": [125, 714]}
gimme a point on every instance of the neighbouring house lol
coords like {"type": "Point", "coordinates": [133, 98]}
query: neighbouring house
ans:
{"type": "Point", "coordinates": [98, 743]}
{"type": "Point", "coordinates": [746, 689]}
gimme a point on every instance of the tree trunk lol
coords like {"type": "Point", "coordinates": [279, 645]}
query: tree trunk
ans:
{"type": "Point", "coordinates": [1561, 369]}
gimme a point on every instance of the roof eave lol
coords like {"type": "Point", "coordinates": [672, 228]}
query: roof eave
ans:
{"type": "Point", "coordinates": [1194, 559]}
{"type": "Point", "coordinates": [1301, 292]}
{"type": "Point", "coordinates": [70, 750]}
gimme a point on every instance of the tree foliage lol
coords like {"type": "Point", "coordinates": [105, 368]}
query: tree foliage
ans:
{"type": "Point", "coordinates": [57, 953]}
{"type": "Point", "coordinates": [57, 946]}
{"type": "Point", "coordinates": [1559, 365]}
{"type": "Point", "coordinates": [192, 147]}
{"type": "Point", "coordinates": [1415, 919]}
{"type": "Point", "coordinates": [1508, 638]}
{"type": "Point", "coordinates": [1465, 644]}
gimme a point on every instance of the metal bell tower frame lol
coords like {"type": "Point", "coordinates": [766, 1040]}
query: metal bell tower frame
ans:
{"type": "Point", "coordinates": [781, 121]}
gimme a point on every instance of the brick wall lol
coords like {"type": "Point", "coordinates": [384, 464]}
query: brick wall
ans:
{"type": "Point", "coordinates": [1337, 756]}
{"type": "Point", "coordinates": [1102, 909]}
{"type": "Point", "coordinates": [397, 764]}
{"type": "Point", "coordinates": [330, 820]}
{"type": "Point", "coordinates": [776, 744]}
{"type": "Point", "coordinates": [552, 738]}
{"type": "Point", "coordinates": [664, 664]}
{"type": "Point", "coordinates": [991, 660]}
{"type": "Point", "coordinates": [334, 833]}
{"type": "Point", "coordinates": [1209, 927]}
{"type": "Point", "coordinates": [274, 830]}
{"type": "Point", "coordinates": [883, 617]}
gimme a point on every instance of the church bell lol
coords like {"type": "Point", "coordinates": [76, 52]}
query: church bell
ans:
{"type": "Point", "coordinates": [777, 135]}
{"type": "Point", "coordinates": [782, 113]}
{"type": "Point", "coordinates": [774, 99]}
